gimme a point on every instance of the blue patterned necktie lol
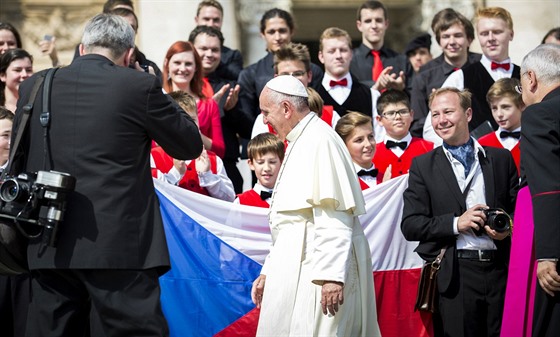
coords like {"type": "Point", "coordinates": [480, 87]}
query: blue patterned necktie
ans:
{"type": "Point", "coordinates": [463, 153]}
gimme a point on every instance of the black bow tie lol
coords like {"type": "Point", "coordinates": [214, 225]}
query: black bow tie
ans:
{"type": "Point", "coordinates": [514, 134]}
{"type": "Point", "coordinates": [265, 195]}
{"type": "Point", "coordinates": [372, 173]}
{"type": "Point", "coordinates": [391, 144]}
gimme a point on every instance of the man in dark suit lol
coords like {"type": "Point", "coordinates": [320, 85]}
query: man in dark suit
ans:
{"type": "Point", "coordinates": [208, 42]}
{"type": "Point", "coordinates": [373, 62]}
{"type": "Point", "coordinates": [540, 164]}
{"type": "Point", "coordinates": [111, 245]}
{"type": "Point", "coordinates": [211, 13]}
{"type": "Point", "coordinates": [448, 189]}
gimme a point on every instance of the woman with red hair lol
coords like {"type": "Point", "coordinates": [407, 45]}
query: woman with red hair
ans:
{"type": "Point", "coordinates": [182, 71]}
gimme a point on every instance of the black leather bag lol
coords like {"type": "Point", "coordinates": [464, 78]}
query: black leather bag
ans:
{"type": "Point", "coordinates": [13, 242]}
{"type": "Point", "coordinates": [427, 296]}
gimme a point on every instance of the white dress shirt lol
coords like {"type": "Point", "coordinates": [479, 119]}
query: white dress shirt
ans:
{"type": "Point", "coordinates": [397, 150]}
{"type": "Point", "coordinates": [508, 142]}
{"type": "Point", "coordinates": [338, 93]}
{"type": "Point", "coordinates": [476, 195]}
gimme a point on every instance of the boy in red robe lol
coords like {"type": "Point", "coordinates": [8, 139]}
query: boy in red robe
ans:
{"type": "Point", "coordinates": [265, 154]}
{"type": "Point", "coordinates": [394, 155]}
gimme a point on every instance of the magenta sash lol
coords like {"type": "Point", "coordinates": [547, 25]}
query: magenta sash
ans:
{"type": "Point", "coordinates": [522, 279]}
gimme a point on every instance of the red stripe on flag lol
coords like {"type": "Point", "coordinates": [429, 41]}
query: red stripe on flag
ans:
{"type": "Point", "coordinates": [246, 326]}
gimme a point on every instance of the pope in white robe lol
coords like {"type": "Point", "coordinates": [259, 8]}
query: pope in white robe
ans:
{"type": "Point", "coordinates": [317, 237]}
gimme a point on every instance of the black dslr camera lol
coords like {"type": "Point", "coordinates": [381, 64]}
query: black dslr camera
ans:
{"type": "Point", "coordinates": [38, 199]}
{"type": "Point", "coordinates": [497, 219]}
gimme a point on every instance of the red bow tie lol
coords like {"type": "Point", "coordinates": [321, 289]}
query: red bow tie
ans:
{"type": "Point", "coordinates": [495, 66]}
{"type": "Point", "coordinates": [343, 82]}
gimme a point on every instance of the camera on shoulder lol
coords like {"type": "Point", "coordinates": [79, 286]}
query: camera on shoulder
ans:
{"type": "Point", "coordinates": [38, 200]}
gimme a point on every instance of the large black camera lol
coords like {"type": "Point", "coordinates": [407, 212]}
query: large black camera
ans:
{"type": "Point", "coordinates": [497, 219]}
{"type": "Point", "coordinates": [38, 199]}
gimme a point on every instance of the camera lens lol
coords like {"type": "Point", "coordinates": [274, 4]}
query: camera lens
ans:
{"type": "Point", "coordinates": [499, 222]}
{"type": "Point", "coordinates": [9, 190]}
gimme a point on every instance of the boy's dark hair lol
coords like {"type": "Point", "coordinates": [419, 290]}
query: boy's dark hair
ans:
{"type": "Point", "coordinates": [292, 52]}
{"type": "Point", "coordinates": [373, 5]}
{"type": "Point", "coordinates": [277, 13]}
{"type": "Point", "coordinates": [6, 114]}
{"type": "Point", "coordinates": [264, 143]}
{"type": "Point", "coordinates": [392, 96]}
{"type": "Point", "coordinates": [111, 4]}
{"type": "Point", "coordinates": [448, 17]}
{"type": "Point", "coordinates": [210, 31]}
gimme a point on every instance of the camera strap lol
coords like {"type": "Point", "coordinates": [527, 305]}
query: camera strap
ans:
{"type": "Point", "coordinates": [45, 116]}
{"type": "Point", "coordinates": [25, 118]}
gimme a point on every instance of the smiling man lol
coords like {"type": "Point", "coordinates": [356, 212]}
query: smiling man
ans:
{"type": "Point", "coordinates": [211, 13]}
{"type": "Point", "coordinates": [448, 190]}
{"type": "Point", "coordinates": [208, 42]}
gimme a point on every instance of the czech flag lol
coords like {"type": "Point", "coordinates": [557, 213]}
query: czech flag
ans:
{"type": "Point", "coordinates": [217, 250]}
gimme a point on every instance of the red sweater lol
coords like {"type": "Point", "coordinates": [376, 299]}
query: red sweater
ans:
{"type": "Point", "coordinates": [252, 198]}
{"type": "Point", "coordinates": [190, 181]}
{"type": "Point", "coordinates": [492, 140]}
{"type": "Point", "coordinates": [400, 165]}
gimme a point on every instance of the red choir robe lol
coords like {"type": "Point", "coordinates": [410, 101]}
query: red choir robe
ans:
{"type": "Point", "coordinates": [190, 181]}
{"type": "Point", "coordinates": [400, 165]}
{"type": "Point", "coordinates": [492, 140]}
{"type": "Point", "coordinates": [252, 198]}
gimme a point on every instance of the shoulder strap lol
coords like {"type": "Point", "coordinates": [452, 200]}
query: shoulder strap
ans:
{"type": "Point", "coordinates": [21, 128]}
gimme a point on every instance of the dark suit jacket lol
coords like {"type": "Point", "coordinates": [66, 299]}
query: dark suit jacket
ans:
{"type": "Point", "coordinates": [234, 122]}
{"type": "Point", "coordinates": [358, 100]}
{"type": "Point", "coordinates": [362, 62]}
{"type": "Point", "coordinates": [433, 198]}
{"type": "Point", "coordinates": [540, 164]}
{"type": "Point", "coordinates": [231, 64]}
{"type": "Point", "coordinates": [104, 118]}
{"type": "Point", "coordinates": [431, 76]}
{"type": "Point", "coordinates": [253, 79]}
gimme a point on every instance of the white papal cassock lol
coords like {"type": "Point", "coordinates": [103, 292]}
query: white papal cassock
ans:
{"type": "Point", "coordinates": [317, 237]}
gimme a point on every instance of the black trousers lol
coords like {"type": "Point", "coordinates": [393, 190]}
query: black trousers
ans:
{"type": "Point", "coordinates": [473, 306]}
{"type": "Point", "coordinates": [66, 302]}
{"type": "Point", "coordinates": [546, 315]}
{"type": "Point", "coordinates": [14, 303]}
{"type": "Point", "coordinates": [234, 175]}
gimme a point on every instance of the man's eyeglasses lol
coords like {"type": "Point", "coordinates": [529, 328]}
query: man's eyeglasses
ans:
{"type": "Point", "coordinates": [518, 87]}
{"type": "Point", "coordinates": [390, 115]}
{"type": "Point", "coordinates": [298, 73]}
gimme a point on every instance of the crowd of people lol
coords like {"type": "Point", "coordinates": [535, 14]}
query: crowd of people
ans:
{"type": "Point", "coordinates": [367, 115]}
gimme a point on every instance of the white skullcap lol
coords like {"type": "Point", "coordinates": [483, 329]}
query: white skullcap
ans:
{"type": "Point", "coordinates": [288, 85]}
